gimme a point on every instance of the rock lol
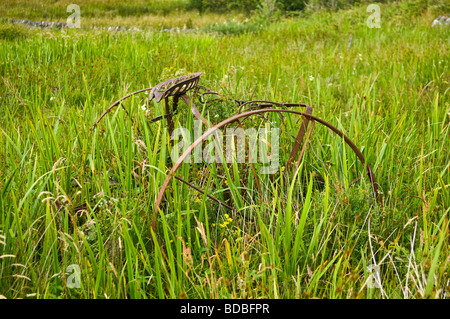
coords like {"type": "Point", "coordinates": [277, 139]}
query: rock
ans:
{"type": "Point", "coordinates": [37, 24]}
{"type": "Point", "coordinates": [441, 20]}
{"type": "Point", "coordinates": [61, 25]}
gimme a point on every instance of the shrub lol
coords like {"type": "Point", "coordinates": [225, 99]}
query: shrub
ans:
{"type": "Point", "coordinates": [11, 32]}
{"type": "Point", "coordinates": [233, 27]}
{"type": "Point", "coordinates": [292, 5]}
{"type": "Point", "coordinates": [224, 5]}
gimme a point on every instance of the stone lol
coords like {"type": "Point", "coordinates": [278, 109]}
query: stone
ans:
{"type": "Point", "coordinates": [441, 20]}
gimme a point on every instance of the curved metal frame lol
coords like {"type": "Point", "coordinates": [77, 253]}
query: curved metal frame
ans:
{"type": "Point", "coordinates": [178, 87]}
{"type": "Point", "coordinates": [237, 117]}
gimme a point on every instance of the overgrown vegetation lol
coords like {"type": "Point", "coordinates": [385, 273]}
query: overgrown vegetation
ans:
{"type": "Point", "coordinates": [299, 5]}
{"type": "Point", "coordinates": [9, 32]}
{"type": "Point", "coordinates": [388, 92]}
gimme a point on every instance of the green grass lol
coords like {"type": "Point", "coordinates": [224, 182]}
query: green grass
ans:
{"type": "Point", "coordinates": [388, 93]}
{"type": "Point", "coordinates": [153, 14]}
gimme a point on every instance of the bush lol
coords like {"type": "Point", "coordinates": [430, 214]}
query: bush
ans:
{"type": "Point", "coordinates": [11, 32]}
{"type": "Point", "coordinates": [417, 7]}
{"type": "Point", "coordinates": [243, 5]}
{"type": "Point", "coordinates": [298, 5]}
{"type": "Point", "coordinates": [224, 5]}
{"type": "Point", "coordinates": [233, 28]}
{"type": "Point", "coordinates": [292, 5]}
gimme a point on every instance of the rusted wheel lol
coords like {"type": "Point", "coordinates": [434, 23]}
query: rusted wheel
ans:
{"type": "Point", "coordinates": [237, 117]}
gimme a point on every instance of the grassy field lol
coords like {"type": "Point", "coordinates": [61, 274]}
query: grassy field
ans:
{"type": "Point", "coordinates": [156, 14]}
{"type": "Point", "coordinates": [389, 92]}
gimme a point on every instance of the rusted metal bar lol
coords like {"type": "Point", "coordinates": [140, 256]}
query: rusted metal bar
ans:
{"type": "Point", "coordinates": [202, 192]}
{"type": "Point", "coordinates": [117, 103]}
{"type": "Point", "coordinates": [170, 125]}
{"type": "Point", "coordinates": [304, 145]}
{"type": "Point", "coordinates": [299, 139]}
